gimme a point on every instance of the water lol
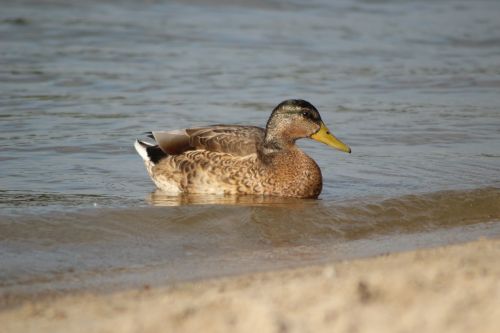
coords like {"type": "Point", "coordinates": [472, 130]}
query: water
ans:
{"type": "Point", "coordinates": [412, 87]}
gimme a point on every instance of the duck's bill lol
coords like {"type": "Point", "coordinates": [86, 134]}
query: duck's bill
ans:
{"type": "Point", "coordinates": [324, 136]}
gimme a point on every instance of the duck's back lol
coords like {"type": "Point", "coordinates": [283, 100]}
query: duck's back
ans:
{"type": "Point", "coordinates": [231, 139]}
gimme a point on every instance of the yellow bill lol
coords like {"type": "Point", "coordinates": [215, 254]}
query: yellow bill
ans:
{"type": "Point", "coordinates": [324, 135]}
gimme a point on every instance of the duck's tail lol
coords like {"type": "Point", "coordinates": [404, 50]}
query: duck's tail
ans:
{"type": "Point", "coordinates": [150, 153]}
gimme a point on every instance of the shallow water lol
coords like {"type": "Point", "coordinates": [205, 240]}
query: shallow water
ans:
{"type": "Point", "coordinates": [413, 88]}
{"type": "Point", "coordinates": [112, 248]}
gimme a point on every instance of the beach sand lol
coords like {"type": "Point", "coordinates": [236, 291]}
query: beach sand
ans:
{"type": "Point", "coordinates": [448, 289]}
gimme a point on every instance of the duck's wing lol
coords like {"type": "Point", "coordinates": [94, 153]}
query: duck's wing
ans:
{"type": "Point", "coordinates": [231, 139]}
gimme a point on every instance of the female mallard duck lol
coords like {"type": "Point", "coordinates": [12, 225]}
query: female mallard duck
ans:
{"type": "Point", "coordinates": [231, 159]}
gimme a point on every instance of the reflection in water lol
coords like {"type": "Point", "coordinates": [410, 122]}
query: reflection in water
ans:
{"type": "Point", "coordinates": [159, 198]}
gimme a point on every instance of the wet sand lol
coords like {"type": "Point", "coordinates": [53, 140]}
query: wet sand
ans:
{"type": "Point", "coordinates": [454, 288]}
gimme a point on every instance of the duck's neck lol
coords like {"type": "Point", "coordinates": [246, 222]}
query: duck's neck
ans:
{"type": "Point", "coordinates": [272, 147]}
{"type": "Point", "coordinates": [277, 140]}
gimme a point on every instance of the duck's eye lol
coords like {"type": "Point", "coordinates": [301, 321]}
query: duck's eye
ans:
{"type": "Point", "coordinates": [307, 114]}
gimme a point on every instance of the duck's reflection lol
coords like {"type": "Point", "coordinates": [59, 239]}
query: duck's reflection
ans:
{"type": "Point", "coordinates": [159, 198]}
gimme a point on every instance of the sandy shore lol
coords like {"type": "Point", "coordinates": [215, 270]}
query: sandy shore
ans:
{"type": "Point", "coordinates": [449, 289]}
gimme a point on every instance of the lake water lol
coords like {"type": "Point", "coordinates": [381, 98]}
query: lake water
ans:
{"type": "Point", "coordinates": [412, 87]}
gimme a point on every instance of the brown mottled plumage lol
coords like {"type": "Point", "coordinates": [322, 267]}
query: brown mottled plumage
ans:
{"type": "Point", "coordinates": [231, 159]}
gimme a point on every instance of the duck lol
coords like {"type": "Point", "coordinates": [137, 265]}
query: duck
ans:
{"type": "Point", "coordinates": [241, 160]}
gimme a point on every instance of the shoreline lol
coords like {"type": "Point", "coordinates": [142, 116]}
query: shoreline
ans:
{"type": "Point", "coordinates": [451, 288]}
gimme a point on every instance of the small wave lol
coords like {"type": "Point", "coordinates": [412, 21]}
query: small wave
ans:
{"type": "Point", "coordinates": [271, 219]}
{"type": "Point", "coordinates": [122, 247]}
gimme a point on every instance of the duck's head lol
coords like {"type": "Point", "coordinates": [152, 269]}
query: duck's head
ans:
{"type": "Point", "coordinates": [295, 119]}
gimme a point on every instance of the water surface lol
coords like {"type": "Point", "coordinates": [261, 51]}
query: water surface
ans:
{"type": "Point", "coordinates": [413, 88]}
